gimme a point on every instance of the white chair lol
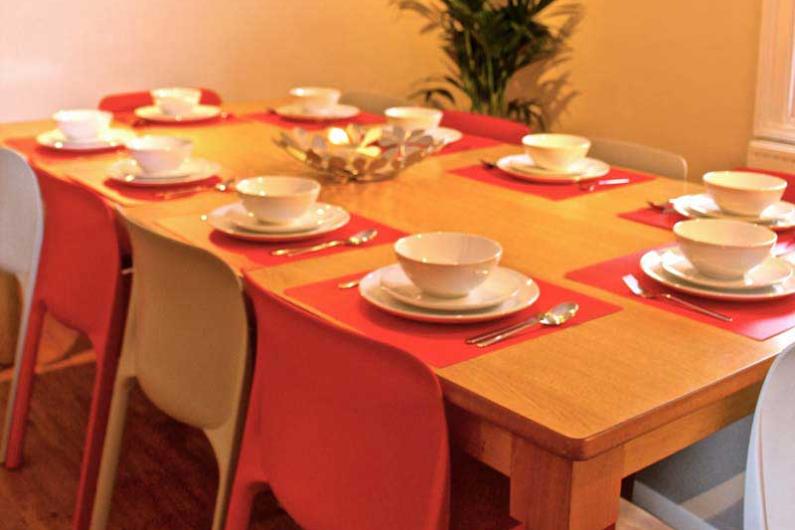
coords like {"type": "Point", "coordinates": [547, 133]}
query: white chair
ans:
{"type": "Point", "coordinates": [187, 345]}
{"type": "Point", "coordinates": [21, 233]}
{"type": "Point", "coordinates": [372, 102]}
{"type": "Point", "coordinates": [640, 157]}
{"type": "Point", "coordinates": [770, 473]}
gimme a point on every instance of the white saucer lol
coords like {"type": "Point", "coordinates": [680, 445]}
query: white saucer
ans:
{"type": "Point", "coordinates": [222, 220]}
{"type": "Point", "coordinates": [770, 272]}
{"type": "Point", "coordinates": [780, 216]}
{"type": "Point", "coordinates": [373, 292]}
{"type": "Point", "coordinates": [129, 172]}
{"type": "Point", "coordinates": [321, 214]}
{"type": "Point", "coordinates": [296, 111]}
{"type": "Point", "coordinates": [199, 113]}
{"type": "Point", "coordinates": [522, 167]}
{"type": "Point", "coordinates": [499, 286]}
{"type": "Point", "coordinates": [443, 135]}
{"type": "Point", "coordinates": [111, 138]}
{"type": "Point", "coordinates": [652, 265]}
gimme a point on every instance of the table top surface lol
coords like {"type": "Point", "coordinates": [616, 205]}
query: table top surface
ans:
{"type": "Point", "coordinates": [577, 392]}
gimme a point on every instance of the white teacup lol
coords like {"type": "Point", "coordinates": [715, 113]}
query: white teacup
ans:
{"type": "Point", "coordinates": [722, 248]}
{"type": "Point", "coordinates": [82, 124]}
{"type": "Point", "coordinates": [158, 154]}
{"type": "Point", "coordinates": [315, 99]}
{"type": "Point", "coordinates": [744, 192]}
{"type": "Point", "coordinates": [447, 264]}
{"type": "Point", "coordinates": [176, 101]}
{"type": "Point", "coordinates": [278, 200]}
{"type": "Point", "coordinates": [558, 152]}
{"type": "Point", "coordinates": [413, 118]}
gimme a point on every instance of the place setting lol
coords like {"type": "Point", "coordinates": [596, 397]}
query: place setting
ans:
{"type": "Point", "coordinates": [175, 106]}
{"type": "Point", "coordinates": [314, 108]}
{"type": "Point", "coordinates": [555, 166]}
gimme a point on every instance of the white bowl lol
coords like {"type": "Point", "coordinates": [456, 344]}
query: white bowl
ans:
{"type": "Point", "coordinates": [557, 152]}
{"type": "Point", "coordinates": [724, 249]}
{"type": "Point", "coordinates": [447, 264]}
{"type": "Point", "coordinates": [156, 154]}
{"type": "Point", "coordinates": [743, 192]}
{"type": "Point", "coordinates": [315, 99]}
{"type": "Point", "coordinates": [278, 200]}
{"type": "Point", "coordinates": [176, 101]}
{"type": "Point", "coordinates": [82, 124]}
{"type": "Point", "coordinates": [413, 118]}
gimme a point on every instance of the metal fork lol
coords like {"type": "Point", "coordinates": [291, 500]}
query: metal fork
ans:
{"type": "Point", "coordinates": [632, 283]}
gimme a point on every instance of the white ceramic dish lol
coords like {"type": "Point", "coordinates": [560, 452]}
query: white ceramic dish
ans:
{"type": "Point", "coordinates": [176, 101]}
{"type": "Point", "coordinates": [772, 271]}
{"type": "Point", "coordinates": [557, 152]}
{"type": "Point", "coordinates": [82, 124]}
{"type": "Point", "coordinates": [198, 114]}
{"type": "Point", "coordinates": [779, 216]}
{"type": "Point", "coordinates": [744, 193]}
{"type": "Point", "coordinates": [315, 99]}
{"type": "Point", "coordinates": [297, 112]}
{"type": "Point", "coordinates": [501, 285]}
{"type": "Point", "coordinates": [112, 138]}
{"type": "Point", "coordinates": [651, 265]}
{"type": "Point", "coordinates": [222, 219]}
{"type": "Point", "coordinates": [278, 199]}
{"type": "Point", "coordinates": [371, 290]}
{"type": "Point", "coordinates": [127, 171]}
{"type": "Point", "coordinates": [159, 154]}
{"type": "Point", "coordinates": [523, 167]}
{"type": "Point", "coordinates": [413, 118]}
{"type": "Point", "coordinates": [447, 264]}
{"type": "Point", "coordinates": [320, 214]}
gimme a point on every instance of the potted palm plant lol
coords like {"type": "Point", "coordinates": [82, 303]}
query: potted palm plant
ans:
{"type": "Point", "coordinates": [488, 42]}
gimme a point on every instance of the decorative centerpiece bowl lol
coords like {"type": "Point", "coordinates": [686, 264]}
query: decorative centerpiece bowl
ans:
{"type": "Point", "coordinates": [358, 154]}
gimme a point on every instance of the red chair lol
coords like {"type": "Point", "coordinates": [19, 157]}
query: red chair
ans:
{"type": "Point", "coordinates": [132, 100]}
{"type": "Point", "coordinates": [349, 433]}
{"type": "Point", "coordinates": [507, 131]}
{"type": "Point", "coordinates": [79, 282]}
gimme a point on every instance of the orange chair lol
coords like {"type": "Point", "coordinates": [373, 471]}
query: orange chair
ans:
{"type": "Point", "coordinates": [507, 131]}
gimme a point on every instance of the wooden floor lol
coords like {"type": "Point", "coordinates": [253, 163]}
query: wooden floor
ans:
{"type": "Point", "coordinates": [167, 476]}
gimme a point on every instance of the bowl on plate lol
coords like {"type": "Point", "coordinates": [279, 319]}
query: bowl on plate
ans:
{"type": "Point", "coordinates": [82, 124]}
{"type": "Point", "coordinates": [558, 152]}
{"type": "Point", "coordinates": [743, 192]}
{"type": "Point", "coordinates": [278, 200]}
{"type": "Point", "coordinates": [722, 248]}
{"type": "Point", "coordinates": [413, 118]}
{"type": "Point", "coordinates": [315, 99]}
{"type": "Point", "coordinates": [158, 154]}
{"type": "Point", "coordinates": [176, 101]}
{"type": "Point", "coordinates": [447, 264]}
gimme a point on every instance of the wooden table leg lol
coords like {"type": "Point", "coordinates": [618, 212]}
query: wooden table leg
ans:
{"type": "Point", "coordinates": [549, 492]}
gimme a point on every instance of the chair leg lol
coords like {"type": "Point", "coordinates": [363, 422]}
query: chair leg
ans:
{"type": "Point", "coordinates": [225, 474]}
{"type": "Point", "coordinates": [21, 390]}
{"type": "Point", "coordinates": [110, 452]}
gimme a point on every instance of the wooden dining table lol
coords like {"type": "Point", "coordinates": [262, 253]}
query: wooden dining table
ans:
{"type": "Point", "coordinates": [567, 415]}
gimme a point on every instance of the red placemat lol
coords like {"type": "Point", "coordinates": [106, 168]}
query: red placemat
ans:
{"type": "Point", "coordinates": [467, 143]}
{"type": "Point", "coordinates": [789, 194]}
{"type": "Point", "coordinates": [363, 118]}
{"type": "Point", "coordinates": [555, 192]}
{"type": "Point", "coordinates": [757, 320]}
{"type": "Point", "coordinates": [437, 344]}
{"type": "Point", "coordinates": [652, 217]}
{"type": "Point", "coordinates": [30, 149]}
{"type": "Point", "coordinates": [248, 255]}
{"type": "Point", "coordinates": [129, 118]}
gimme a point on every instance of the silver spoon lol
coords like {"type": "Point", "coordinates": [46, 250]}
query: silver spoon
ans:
{"type": "Point", "coordinates": [349, 285]}
{"type": "Point", "coordinates": [223, 186]}
{"type": "Point", "coordinates": [558, 315]}
{"type": "Point", "coordinates": [359, 238]}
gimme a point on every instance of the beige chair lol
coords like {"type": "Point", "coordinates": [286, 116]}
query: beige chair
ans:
{"type": "Point", "coordinates": [640, 157]}
{"type": "Point", "coordinates": [187, 345]}
{"type": "Point", "coordinates": [372, 102]}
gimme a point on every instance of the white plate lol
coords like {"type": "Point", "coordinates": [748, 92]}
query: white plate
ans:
{"type": "Point", "coordinates": [651, 264]}
{"type": "Point", "coordinates": [371, 290]}
{"type": "Point", "coordinates": [199, 113]}
{"type": "Point", "coordinates": [498, 287]}
{"type": "Point", "coordinates": [523, 167]}
{"type": "Point", "coordinates": [222, 220]}
{"type": "Point", "coordinates": [112, 138]}
{"type": "Point", "coordinates": [296, 111]}
{"type": "Point", "coordinates": [772, 271]}
{"type": "Point", "coordinates": [320, 214]}
{"type": "Point", "coordinates": [780, 216]}
{"type": "Point", "coordinates": [443, 135]}
{"type": "Point", "coordinates": [129, 172]}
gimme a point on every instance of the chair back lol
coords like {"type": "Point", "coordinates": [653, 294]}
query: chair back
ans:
{"type": "Point", "coordinates": [130, 101]}
{"type": "Point", "coordinates": [507, 131]}
{"type": "Point", "coordinates": [770, 472]}
{"type": "Point", "coordinates": [372, 102]}
{"type": "Point", "coordinates": [640, 157]}
{"type": "Point", "coordinates": [352, 431]}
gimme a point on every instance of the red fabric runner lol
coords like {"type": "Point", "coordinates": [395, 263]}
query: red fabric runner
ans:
{"type": "Point", "coordinates": [652, 217]}
{"type": "Point", "coordinates": [467, 143]}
